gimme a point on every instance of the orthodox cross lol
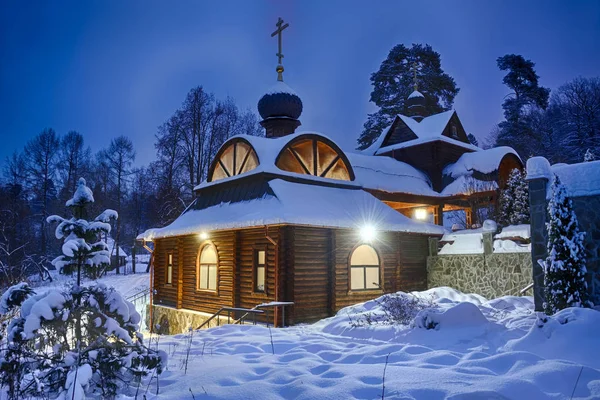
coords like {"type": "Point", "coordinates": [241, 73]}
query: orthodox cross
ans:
{"type": "Point", "coordinates": [280, 27]}
{"type": "Point", "coordinates": [413, 69]}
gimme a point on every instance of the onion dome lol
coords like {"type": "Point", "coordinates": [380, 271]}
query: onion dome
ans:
{"type": "Point", "coordinates": [280, 101]}
{"type": "Point", "coordinates": [415, 105]}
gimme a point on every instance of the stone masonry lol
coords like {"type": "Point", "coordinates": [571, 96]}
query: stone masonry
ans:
{"type": "Point", "coordinates": [490, 275]}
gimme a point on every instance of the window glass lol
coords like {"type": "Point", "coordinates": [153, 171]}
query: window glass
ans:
{"type": "Point", "coordinates": [364, 268]}
{"type": "Point", "coordinates": [259, 274]}
{"type": "Point", "coordinates": [207, 269]}
{"type": "Point", "coordinates": [364, 255]}
{"type": "Point", "coordinates": [357, 278]}
{"type": "Point", "coordinates": [170, 268]}
{"type": "Point", "coordinates": [238, 157]}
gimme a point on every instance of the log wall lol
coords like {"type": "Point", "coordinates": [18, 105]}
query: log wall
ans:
{"type": "Point", "coordinates": [313, 269]}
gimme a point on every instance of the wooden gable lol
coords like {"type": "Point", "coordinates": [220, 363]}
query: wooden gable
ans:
{"type": "Point", "coordinates": [455, 130]}
{"type": "Point", "coordinates": [399, 132]}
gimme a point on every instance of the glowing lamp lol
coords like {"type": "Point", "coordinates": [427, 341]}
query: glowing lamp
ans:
{"type": "Point", "coordinates": [421, 214]}
{"type": "Point", "coordinates": [367, 233]}
{"type": "Point", "coordinates": [203, 235]}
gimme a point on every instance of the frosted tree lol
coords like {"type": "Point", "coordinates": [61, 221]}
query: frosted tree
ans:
{"type": "Point", "coordinates": [514, 200]}
{"type": "Point", "coordinates": [564, 268]}
{"type": "Point", "coordinates": [82, 248]}
{"type": "Point", "coordinates": [40, 357]}
{"type": "Point", "coordinates": [589, 156]}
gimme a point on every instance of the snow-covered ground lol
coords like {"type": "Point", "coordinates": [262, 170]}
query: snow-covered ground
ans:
{"type": "Point", "coordinates": [479, 349]}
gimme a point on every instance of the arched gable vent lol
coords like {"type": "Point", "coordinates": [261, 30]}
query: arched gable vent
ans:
{"type": "Point", "coordinates": [235, 158]}
{"type": "Point", "coordinates": [315, 155]}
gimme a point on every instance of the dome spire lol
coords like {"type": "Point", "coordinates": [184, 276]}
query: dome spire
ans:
{"type": "Point", "coordinates": [280, 27]}
{"type": "Point", "coordinates": [413, 69]}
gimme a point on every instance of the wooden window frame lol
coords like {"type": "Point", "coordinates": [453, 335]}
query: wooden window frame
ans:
{"type": "Point", "coordinates": [255, 251]}
{"type": "Point", "coordinates": [169, 282]}
{"type": "Point", "coordinates": [379, 289]}
{"type": "Point", "coordinates": [203, 245]}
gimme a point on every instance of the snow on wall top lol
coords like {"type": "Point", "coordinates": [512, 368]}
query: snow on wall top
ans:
{"type": "Point", "coordinates": [581, 179]}
{"type": "Point", "coordinates": [294, 203]}
{"type": "Point", "coordinates": [484, 161]}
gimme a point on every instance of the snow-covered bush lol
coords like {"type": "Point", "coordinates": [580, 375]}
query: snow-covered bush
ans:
{"type": "Point", "coordinates": [564, 268]}
{"type": "Point", "coordinates": [514, 200]}
{"type": "Point", "coordinates": [83, 247]}
{"type": "Point", "coordinates": [65, 344]}
{"type": "Point", "coordinates": [394, 309]}
{"type": "Point", "coordinates": [589, 156]}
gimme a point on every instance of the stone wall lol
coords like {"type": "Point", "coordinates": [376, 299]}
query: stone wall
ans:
{"type": "Point", "coordinates": [587, 209]}
{"type": "Point", "coordinates": [171, 321]}
{"type": "Point", "coordinates": [490, 275]}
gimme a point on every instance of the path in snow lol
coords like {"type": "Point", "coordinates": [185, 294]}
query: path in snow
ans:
{"type": "Point", "coordinates": [467, 358]}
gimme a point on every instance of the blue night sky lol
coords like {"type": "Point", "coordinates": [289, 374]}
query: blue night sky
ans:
{"type": "Point", "coordinates": [109, 68]}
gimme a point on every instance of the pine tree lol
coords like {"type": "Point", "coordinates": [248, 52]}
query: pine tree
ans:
{"type": "Point", "coordinates": [517, 131]}
{"type": "Point", "coordinates": [564, 268]}
{"type": "Point", "coordinates": [514, 200]}
{"type": "Point", "coordinates": [520, 209]}
{"type": "Point", "coordinates": [82, 249]}
{"type": "Point", "coordinates": [589, 156]}
{"type": "Point", "coordinates": [394, 82]}
{"type": "Point", "coordinates": [472, 139]}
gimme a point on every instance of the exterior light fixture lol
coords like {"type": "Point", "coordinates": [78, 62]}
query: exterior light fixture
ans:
{"type": "Point", "coordinates": [203, 235]}
{"type": "Point", "coordinates": [367, 233]}
{"type": "Point", "coordinates": [421, 214]}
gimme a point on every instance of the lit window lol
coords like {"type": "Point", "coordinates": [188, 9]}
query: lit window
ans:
{"type": "Point", "coordinates": [235, 159]}
{"type": "Point", "coordinates": [169, 278]}
{"type": "Point", "coordinates": [260, 270]}
{"type": "Point", "coordinates": [207, 268]}
{"type": "Point", "coordinates": [312, 156]}
{"type": "Point", "coordinates": [364, 268]}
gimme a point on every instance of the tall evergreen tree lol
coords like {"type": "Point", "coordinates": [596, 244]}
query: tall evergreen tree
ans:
{"type": "Point", "coordinates": [514, 200]}
{"type": "Point", "coordinates": [472, 139]}
{"type": "Point", "coordinates": [526, 94]}
{"type": "Point", "coordinates": [394, 81]}
{"type": "Point", "coordinates": [82, 250]}
{"type": "Point", "coordinates": [564, 268]}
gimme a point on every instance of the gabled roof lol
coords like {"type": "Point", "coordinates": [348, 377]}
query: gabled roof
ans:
{"type": "Point", "coordinates": [296, 204]}
{"type": "Point", "coordinates": [483, 161]}
{"type": "Point", "coordinates": [430, 129]}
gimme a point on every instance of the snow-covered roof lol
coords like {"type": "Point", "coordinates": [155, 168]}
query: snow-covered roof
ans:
{"type": "Point", "coordinates": [430, 129]}
{"type": "Point", "coordinates": [581, 179]}
{"type": "Point", "coordinates": [387, 174]}
{"type": "Point", "coordinates": [281, 87]}
{"type": "Point", "coordinates": [466, 184]}
{"type": "Point", "coordinates": [484, 161]}
{"type": "Point", "coordinates": [414, 94]}
{"type": "Point", "coordinates": [297, 204]}
{"type": "Point", "coordinates": [110, 242]}
{"type": "Point", "coordinates": [267, 150]}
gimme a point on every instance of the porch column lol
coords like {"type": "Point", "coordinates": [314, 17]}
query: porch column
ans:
{"type": "Point", "coordinates": [438, 214]}
{"type": "Point", "coordinates": [469, 217]}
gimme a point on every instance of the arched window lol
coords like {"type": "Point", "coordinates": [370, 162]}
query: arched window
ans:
{"type": "Point", "coordinates": [313, 156]}
{"type": "Point", "coordinates": [235, 158]}
{"type": "Point", "coordinates": [207, 268]}
{"type": "Point", "coordinates": [364, 268]}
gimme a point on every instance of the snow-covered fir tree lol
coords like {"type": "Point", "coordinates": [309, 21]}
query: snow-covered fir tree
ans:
{"type": "Point", "coordinates": [589, 156]}
{"type": "Point", "coordinates": [514, 200]}
{"type": "Point", "coordinates": [65, 344]}
{"type": "Point", "coordinates": [564, 268]}
{"type": "Point", "coordinates": [41, 356]}
{"type": "Point", "coordinates": [83, 246]}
